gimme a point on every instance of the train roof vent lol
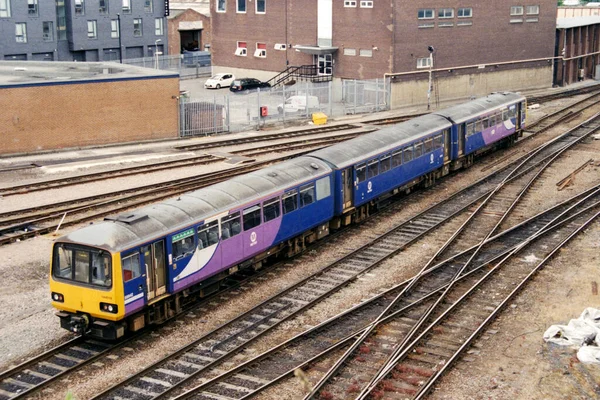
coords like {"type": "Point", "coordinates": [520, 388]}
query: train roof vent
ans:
{"type": "Point", "coordinates": [272, 174]}
{"type": "Point", "coordinates": [314, 166]}
{"type": "Point", "coordinates": [127, 218]}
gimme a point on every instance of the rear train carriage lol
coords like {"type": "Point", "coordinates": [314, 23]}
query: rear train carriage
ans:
{"type": "Point", "coordinates": [140, 268]}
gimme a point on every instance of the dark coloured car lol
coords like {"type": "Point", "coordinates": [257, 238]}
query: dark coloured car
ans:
{"type": "Point", "coordinates": [240, 85]}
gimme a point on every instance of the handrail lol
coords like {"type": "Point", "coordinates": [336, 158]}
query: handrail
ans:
{"type": "Point", "coordinates": [302, 71]}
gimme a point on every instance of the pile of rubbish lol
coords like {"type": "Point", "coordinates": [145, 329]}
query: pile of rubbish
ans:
{"type": "Point", "coordinates": [582, 333]}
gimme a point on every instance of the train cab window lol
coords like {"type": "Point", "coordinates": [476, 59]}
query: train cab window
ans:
{"type": "Point", "coordinates": [397, 158]}
{"type": "Point", "coordinates": [183, 244]}
{"type": "Point", "coordinates": [307, 194]}
{"type": "Point", "coordinates": [361, 172]}
{"type": "Point", "coordinates": [271, 209]}
{"type": "Point", "coordinates": [290, 201]}
{"type": "Point", "coordinates": [407, 154]}
{"type": "Point", "coordinates": [82, 266]}
{"type": "Point", "coordinates": [512, 111]}
{"type": "Point", "coordinates": [418, 150]}
{"type": "Point", "coordinates": [230, 225]}
{"type": "Point", "coordinates": [372, 168]}
{"type": "Point", "coordinates": [208, 234]}
{"type": "Point", "coordinates": [85, 265]}
{"type": "Point", "coordinates": [131, 267]}
{"type": "Point", "coordinates": [100, 268]}
{"type": "Point", "coordinates": [428, 146]}
{"type": "Point", "coordinates": [251, 217]}
{"type": "Point", "coordinates": [384, 163]}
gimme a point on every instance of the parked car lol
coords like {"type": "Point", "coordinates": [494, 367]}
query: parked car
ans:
{"type": "Point", "coordinates": [239, 85]}
{"type": "Point", "coordinates": [219, 80]}
{"type": "Point", "coordinates": [299, 103]}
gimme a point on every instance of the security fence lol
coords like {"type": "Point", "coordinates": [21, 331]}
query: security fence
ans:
{"type": "Point", "coordinates": [226, 112]}
{"type": "Point", "coordinates": [186, 67]}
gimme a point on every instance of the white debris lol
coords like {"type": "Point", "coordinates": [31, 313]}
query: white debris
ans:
{"type": "Point", "coordinates": [583, 333]}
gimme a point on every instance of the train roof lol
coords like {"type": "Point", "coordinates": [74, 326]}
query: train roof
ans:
{"type": "Point", "coordinates": [366, 146]}
{"type": "Point", "coordinates": [156, 220]}
{"type": "Point", "coordinates": [464, 112]}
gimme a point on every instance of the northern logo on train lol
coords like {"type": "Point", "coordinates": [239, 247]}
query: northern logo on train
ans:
{"type": "Point", "coordinates": [252, 238]}
{"type": "Point", "coordinates": [369, 187]}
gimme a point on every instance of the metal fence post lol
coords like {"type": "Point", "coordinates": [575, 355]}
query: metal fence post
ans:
{"type": "Point", "coordinates": [283, 102]}
{"type": "Point", "coordinates": [377, 95]}
{"type": "Point", "coordinates": [215, 113]}
{"type": "Point", "coordinates": [330, 98]}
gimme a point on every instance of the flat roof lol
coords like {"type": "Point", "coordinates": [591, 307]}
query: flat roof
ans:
{"type": "Point", "coordinates": [574, 22]}
{"type": "Point", "coordinates": [53, 72]}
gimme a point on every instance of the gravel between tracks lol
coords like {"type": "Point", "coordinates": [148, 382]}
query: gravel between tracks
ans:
{"type": "Point", "coordinates": [29, 324]}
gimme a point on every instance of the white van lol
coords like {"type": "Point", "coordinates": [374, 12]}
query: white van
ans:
{"type": "Point", "coordinates": [298, 103]}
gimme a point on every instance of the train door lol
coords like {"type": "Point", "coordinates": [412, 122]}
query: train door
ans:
{"type": "Point", "coordinates": [347, 188]}
{"type": "Point", "coordinates": [462, 128]}
{"type": "Point", "coordinates": [518, 119]}
{"type": "Point", "coordinates": [253, 230]}
{"type": "Point", "coordinates": [156, 273]}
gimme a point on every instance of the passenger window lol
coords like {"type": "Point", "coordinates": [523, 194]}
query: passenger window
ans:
{"type": "Point", "coordinates": [397, 159]}
{"type": "Point", "coordinates": [271, 209]}
{"type": "Point", "coordinates": [384, 163]}
{"type": "Point", "coordinates": [478, 127]}
{"type": "Point", "coordinates": [307, 194]}
{"type": "Point", "coordinates": [372, 168]}
{"type": "Point", "coordinates": [208, 234]}
{"type": "Point", "coordinates": [470, 129]}
{"type": "Point", "coordinates": [251, 217]}
{"type": "Point", "coordinates": [183, 244]}
{"type": "Point", "coordinates": [230, 225]}
{"type": "Point", "coordinates": [438, 142]}
{"type": "Point", "coordinates": [82, 266]}
{"type": "Point", "coordinates": [418, 150]}
{"type": "Point", "coordinates": [428, 145]}
{"type": "Point", "coordinates": [323, 188]}
{"type": "Point", "coordinates": [361, 172]}
{"type": "Point", "coordinates": [504, 115]}
{"type": "Point", "coordinates": [485, 123]}
{"type": "Point", "coordinates": [407, 154]}
{"type": "Point", "coordinates": [290, 201]}
{"type": "Point", "coordinates": [131, 267]}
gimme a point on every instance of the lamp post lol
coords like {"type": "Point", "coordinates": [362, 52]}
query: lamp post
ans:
{"type": "Point", "coordinates": [156, 52]}
{"type": "Point", "coordinates": [431, 50]}
{"type": "Point", "coordinates": [120, 46]}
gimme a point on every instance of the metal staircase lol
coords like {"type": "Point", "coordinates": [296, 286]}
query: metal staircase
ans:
{"type": "Point", "coordinates": [296, 73]}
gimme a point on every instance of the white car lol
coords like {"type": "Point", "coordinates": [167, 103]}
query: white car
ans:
{"type": "Point", "coordinates": [219, 80]}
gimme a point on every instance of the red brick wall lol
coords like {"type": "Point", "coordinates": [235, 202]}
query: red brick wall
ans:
{"type": "Point", "coordinates": [174, 36]}
{"type": "Point", "coordinates": [62, 116]}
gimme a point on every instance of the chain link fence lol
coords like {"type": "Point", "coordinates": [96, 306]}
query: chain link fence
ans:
{"type": "Point", "coordinates": [186, 67]}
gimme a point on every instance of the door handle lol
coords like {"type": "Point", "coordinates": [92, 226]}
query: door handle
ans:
{"type": "Point", "coordinates": [140, 288]}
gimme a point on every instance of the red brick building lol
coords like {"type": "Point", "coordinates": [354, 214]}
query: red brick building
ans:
{"type": "Point", "coordinates": [189, 30]}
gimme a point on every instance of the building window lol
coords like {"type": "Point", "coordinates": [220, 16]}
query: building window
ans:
{"type": "Point", "coordinates": [114, 28]}
{"type": "Point", "coordinates": [241, 49]}
{"type": "Point", "coordinates": [533, 10]}
{"type": "Point", "coordinates": [92, 30]}
{"type": "Point", "coordinates": [516, 10]}
{"type": "Point", "coordinates": [103, 6]}
{"type": "Point", "coordinates": [47, 31]}
{"type": "Point", "coordinates": [32, 7]}
{"type": "Point", "coordinates": [465, 13]}
{"type": "Point", "coordinates": [221, 5]}
{"type": "Point", "coordinates": [4, 8]}
{"type": "Point", "coordinates": [79, 7]}
{"type": "Point", "coordinates": [366, 4]}
{"type": "Point", "coordinates": [425, 13]}
{"type": "Point", "coordinates": [424, 62]}
{"type": "Point", "coordinates": [241, 6]}
{"type": "Point", "coordinates": [126, 6]}
{"type": "Point", "coordinates": [446, 13]}
{"type": "Point", "coordinates": [261, 6]}
{"type": "Point", "coordinates": [61, 21]}
{"type": "Point", "coordinates": [261, 50]}
{"type": "Point", "coordinates": [137, 27]}
{"type": "Point", "coordinates": [445, 24]}
{"type": "Point", "coordinates": [349, 52]}
{"type": "Point", "coordinates": [349, 3]}
{"type": "Point", "coordinates": [158, 27]}
{"type": "Point", "coordinates": [148, 6]}
{"type": "Point", "coordinates": [21, 32]}
{"type": "Point", "coordinates": [365, 53]}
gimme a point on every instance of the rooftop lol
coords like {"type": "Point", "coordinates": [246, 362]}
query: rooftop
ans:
{"type": "Point", "coordinates": [573, 22]}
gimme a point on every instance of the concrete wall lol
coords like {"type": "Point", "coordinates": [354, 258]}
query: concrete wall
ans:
{"type": "Point", "coordinates": [47, 117]}
{"type": "Point", "coordinates": [449, 88]}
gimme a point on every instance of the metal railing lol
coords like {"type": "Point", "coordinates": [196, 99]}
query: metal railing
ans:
{"type": "Point", "coordinates": [174, 63]}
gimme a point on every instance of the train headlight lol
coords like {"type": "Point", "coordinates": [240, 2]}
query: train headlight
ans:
{"type": "Point", "coordinates": [58, 297]}
{"type": "Point", "coordinates": [107, 307]}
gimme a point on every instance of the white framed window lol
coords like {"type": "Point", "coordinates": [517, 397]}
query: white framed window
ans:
{"type": "Point", "coordinates": [261, 6]}
{"type": "Point", "coordinates": [126, 7]}
{"type": "Point", "coordinates": [148, 6]}
{"type": "Point", "coordinates": [349, 52]}
{"type": "Point", "coordinates": [48, 31]}
{"type": "Point", "coordinates": [21, 32]}
{"type": "Point", "coordinates": [365, 53]}
{"type": "Point", "coordinates": [103, 6]}
{"type": "Point", "coordinates": [425, 13]}
{"type": "Point", "coordinates": [158, 27]}
{"type": "Point", "coordinates": [137, 27]}
{"type": "Point", "coordinates": [349, 3]}
{"type": "Point", "coordinates": [446, 13]}
{"type": "Point", "coordinates": [221, 6]}
{"type": "Point", "coordinates": [92, 30]}
{"type": "Point", "coordinates": [241, 6]}
{"type": "Point", "coordinates": [465, 12]}
{"type": "Point", "coordinates": [261, 50]}
{"type": "Point", "coordinates": [366, 4]}
{"type": "Point", "coordinates": [79, 7]}
{"type": "Point", "coordinates": [424, 62]}
{"type": "Point", "coordinates": [241, 49]}
{"type": "Point", "coordinates": [32, 7]}
{"type": "Point", "coordinates": [4, 8]}
{"type": "Point", "coordinates": [516, 10]}
{"type": "Point", "coordinates": [533, 10]}
{"type": "Point", "coordinates": [114, 28]}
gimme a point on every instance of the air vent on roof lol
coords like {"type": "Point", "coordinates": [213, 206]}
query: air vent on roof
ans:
{"type": "Point", "coordinates": [127, 218]}
{"type": "Point", "coordinates": [415, 125]}
{"type": "Point", "coordinates": [272, 174]}
{"type": "Point", "coordinates": [314, 166]}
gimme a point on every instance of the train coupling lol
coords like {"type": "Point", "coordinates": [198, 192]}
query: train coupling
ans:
{"type": "Point", "coordinates": [83, 324]}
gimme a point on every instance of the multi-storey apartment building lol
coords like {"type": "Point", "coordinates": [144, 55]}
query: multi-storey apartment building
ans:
{"type": "Point", "coordinates": [356, 39]}
{"type": "Point", "coordinates": [82, 30]}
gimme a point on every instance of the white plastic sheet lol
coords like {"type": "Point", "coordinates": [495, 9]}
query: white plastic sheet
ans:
{"type": "Point", "coordinates": [582, 333]}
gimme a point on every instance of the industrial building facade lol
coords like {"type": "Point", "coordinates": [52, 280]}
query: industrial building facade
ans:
{"type": "Point", "coordinates": [82, 30]}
